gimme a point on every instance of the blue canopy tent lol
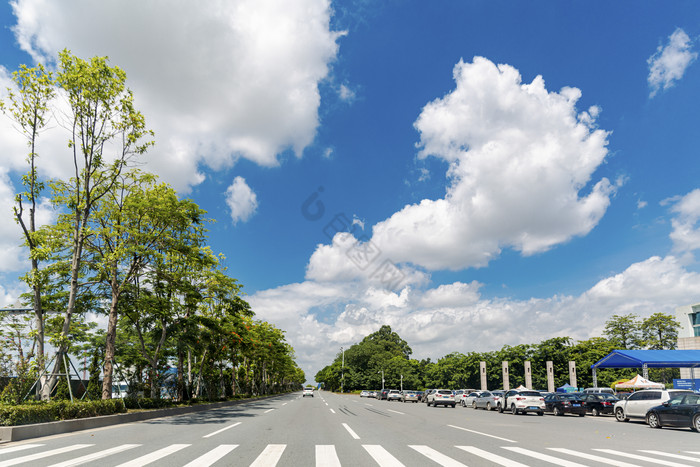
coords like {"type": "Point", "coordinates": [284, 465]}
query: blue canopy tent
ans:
{"type": "Point", "coordinates": [567, 388]}
{"type": "Point", "coordinates": [646, 359]}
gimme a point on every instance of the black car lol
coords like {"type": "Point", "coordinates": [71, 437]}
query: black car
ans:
{"type": "Point", "coordinates": [382, 395]}
{"type": "Point", "coordinates": [560, 404]}
{"type": "Point", "coordinates": [682, 411]}
{"type": "Point", "coordinates": [599, 403]}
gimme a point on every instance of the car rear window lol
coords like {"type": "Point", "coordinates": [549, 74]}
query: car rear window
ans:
{"type": "Point", "coordinates": [444, 392]}
{"type": "Point", "coordinates": [531, 393]}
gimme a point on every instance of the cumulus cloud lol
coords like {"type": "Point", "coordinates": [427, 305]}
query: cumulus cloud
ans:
{"type": "Point", "coordinates": [686, 231]}
{"type": "Point", "coordinates": [670, 61]}
{"type": "Point", "coordinates": [456, 317]}
{"type": "Point", "coordinates": [234, 79]}
{"type": "Point", "coordinates": [241, 200]}
{"type": "Point", "coordinates": [521, 159]}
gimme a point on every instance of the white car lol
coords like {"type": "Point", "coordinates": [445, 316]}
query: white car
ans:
{"type": "Point", "coordinates": [524, 401]}
{"type": "Point", "coordinates": [308, 392]}
{"type": "Point", "coordinates": [441, 397]}
{"type": "Point", "coordinates": [469, 400]}
{"type": "Point", "coordinates": [364, 394]}
{"type": "Point", "coordinates": [393, 395]}
{"type": "Point", "coordinates": [638, 404]}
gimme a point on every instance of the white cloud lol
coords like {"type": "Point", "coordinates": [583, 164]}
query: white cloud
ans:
{"type": "Point", "coordinates": [520, 166]}
{"type": "Point", "coordinates": [234, 79]}
{"type": "Point", "coordinates": [322, 316]}
{"type": "Point", "coordinates": [686, 231]}
{"type": "Point", "coordinates": [669, 62]}
{"type": "Point", "coordinates": [241, 200]}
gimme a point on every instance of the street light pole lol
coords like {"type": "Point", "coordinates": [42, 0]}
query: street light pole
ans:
{"type": "Point", "coordinates": [382, 372]}
{"type": "Point", "coordinates": [342, 372]}
{"type": "Point", "coordinates": [401, 383]}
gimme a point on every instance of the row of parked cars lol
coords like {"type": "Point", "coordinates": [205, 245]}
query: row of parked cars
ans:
{"type": "Point", "coordinates": [659, 408]}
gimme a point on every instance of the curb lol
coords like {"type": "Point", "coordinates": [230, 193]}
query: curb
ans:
{"type": "Point", "coordinates": [38, 430]}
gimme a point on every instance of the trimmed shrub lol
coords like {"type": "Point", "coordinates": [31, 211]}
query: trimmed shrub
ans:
{"type": "Point", "coordinates": [42, 412]}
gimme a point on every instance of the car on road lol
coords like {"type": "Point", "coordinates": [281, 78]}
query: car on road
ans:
{"type": "Point", "coordinates": [599, 403]}
{"type": "Point", "coordinates": [393, 395]}
{"type": "Point", "coordinates": [522, 401]}
{"type": "Point", "coordinates": [563, 403]}
{"type": "Point", "coordinates": [308, 392]}
{"type": "Point", "coordinates": [487, 400]}
{"type": "Point", "coordinates": [381, 395]}
{"type": "Point", "coordinates": [364, 394]}
{"type": "Point", "coordinates": [679, 411]}
{"type": "Point", "coordinates": [410, 396]}
{"type": "Point", "coordinates": [469, 400]}
{"type": "Point", "coordinates": [424, 395]}
{"type": "Point", "coordinates": [441, 397]}
{"type": "Point", "coordinates": [638, 404]}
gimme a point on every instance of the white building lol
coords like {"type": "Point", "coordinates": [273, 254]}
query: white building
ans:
{"type": "Point", "coordinates": [689, 332]}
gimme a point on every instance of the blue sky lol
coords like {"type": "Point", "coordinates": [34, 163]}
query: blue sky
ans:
{"type": "Point", "coordinates": [522, 170]}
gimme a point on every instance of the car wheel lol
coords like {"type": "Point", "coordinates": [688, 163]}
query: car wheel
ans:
{"type": "Point", "coordinates": [556, 411]}
{"type": "Point", "coordinates": [463, 404]}
{"type": "Point", "coordinates": [696, 423]}
{"type": "Point", "coordinates": [513, 410]}
{"type": "Point", "coordinates": [540, 413]}
{"type": "Point", "coordinates": [595, 412]}
{"type": "Point", "coordinates": [488, 406]}
{"type": "Point", "coordinates": [653, 420]}
{"type": "Point", "coordinates": [453, 405]}
{"type": "Point", "coordinates": [620, 415]}
{"type": "Point", "coordinates": [474, 405]}
{"type": "Point", "coordinates": [499, 408]}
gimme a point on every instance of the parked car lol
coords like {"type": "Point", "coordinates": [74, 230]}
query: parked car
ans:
{"type": "Point", "coordinates": [441, 397]}
{"type": "Point", "coordinates": [522, 401]}
{"type": "Point", "coordinates": [599, 390]}
{"type": "Point", "coordinates": [393, 395]}
{"type": "Point", "coordinates": [680, 410]}
{"type": "Point", "coordinates": [373, 394]}
{"type": "Point", "coordinates": [638, 404]}
{"type": "Point", "coordinates": [410, 396]}
{"type": "Point", "coordinates": [364, 394]}
{"type": "Point", "coordinates": [563, 403]}
{"type": "Point", "coordinates": [599, 403]}
{"type": "Point", "coordinates": [486, 400]}
{"type": "Point", "coordinates": [308, 392]}
{"type": "Point", "coordinates": [424, 396]}
{"type": "Point", "coordinates": [459, 395]}
{"type": "Point", "coordinates": [381, 395]}
{"type": "Point", "coordinates": [470, 399]}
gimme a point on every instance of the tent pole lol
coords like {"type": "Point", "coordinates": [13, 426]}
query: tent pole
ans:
{"type": "Point", "coordinates": [645, 371]}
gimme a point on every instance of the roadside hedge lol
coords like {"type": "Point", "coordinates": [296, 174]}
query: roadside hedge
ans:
{"type": "Point", "coordinates": [52, 411]}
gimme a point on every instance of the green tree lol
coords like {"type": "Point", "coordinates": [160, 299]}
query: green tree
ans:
{"type": "Point", "coordinates": [660, 331]}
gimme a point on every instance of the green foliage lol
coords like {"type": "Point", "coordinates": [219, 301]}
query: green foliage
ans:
{"type": "Point", "coordinates": [42, 412]}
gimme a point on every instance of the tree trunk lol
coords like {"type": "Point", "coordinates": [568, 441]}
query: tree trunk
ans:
{"type": "Point", "coordinates": [110, 345]}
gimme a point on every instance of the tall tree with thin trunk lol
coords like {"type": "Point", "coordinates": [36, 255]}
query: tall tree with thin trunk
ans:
{"type": "Point", "coordinates": [29, 109]}
{"type": "Point", "coordinates": [106, 132]}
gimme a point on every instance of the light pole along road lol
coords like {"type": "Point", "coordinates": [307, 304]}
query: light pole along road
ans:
{"type": "Point", "coordinates": [332, 430]}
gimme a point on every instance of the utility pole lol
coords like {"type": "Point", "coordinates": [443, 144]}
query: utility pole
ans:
{"type": "Point", "coordinates": [342, 372]}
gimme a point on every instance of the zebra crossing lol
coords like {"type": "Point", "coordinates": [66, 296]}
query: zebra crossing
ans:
{"type": "Point", "coordinates": [327, 456]}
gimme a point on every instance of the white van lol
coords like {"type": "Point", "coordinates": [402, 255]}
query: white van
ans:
{"type": "Point", "coordinates": [599, 390]}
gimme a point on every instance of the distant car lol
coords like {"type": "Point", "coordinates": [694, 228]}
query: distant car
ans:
{"type": "Point", "coordinates": [382, 395]}
{"type": "Point", "coordinates": [599, 403]}
{"type": "Point", "coordinates": [599, 390]}
{"type": "Point", "coordinates": [410, 396]}
{"type": "Point", "coordinates": [441, 397]}
{"type": "Point", "coordinates": [680, 411]}
{"type": "Point", "coordinates": [373, 394]}
{"type": "Point", "coordinates": [638, 404]}
{"type": "Point", "coordinates": [308, 392]}
{"type": "Point", "coordinates": [393, 395]}
{"type": "Point", "coordinates": [364, 394]}
{"type": "Point", "coordinates": [563, 403]}
{"type": "Point", "coordinates": [487, 400]}
{"type": "Point", "coordinates": [522, 401]}
{"type": "Point", "coordinates": [424, 395]}
{"type": "Point", "coordinates": [470, 399]}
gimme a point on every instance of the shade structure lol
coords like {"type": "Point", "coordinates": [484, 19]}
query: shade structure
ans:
{"type": "Point", "coordinates": [650, 359]}
{"type": "Point", "coordinates": [639, 382]}
{"type": "Point", "coordinates": [567, 388]}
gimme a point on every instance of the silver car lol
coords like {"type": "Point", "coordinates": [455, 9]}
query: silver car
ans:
{"type": "Point", "coordinates": [488, 400]}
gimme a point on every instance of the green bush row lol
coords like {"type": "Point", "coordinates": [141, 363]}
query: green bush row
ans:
{"type": "Point", "coordinates": [42, 412]}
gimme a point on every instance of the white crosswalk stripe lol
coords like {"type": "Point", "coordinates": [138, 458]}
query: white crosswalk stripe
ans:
{"type": "Point", "coordinates": [97, 455]}
{"type": "Point", "coordinates": [154, 456]}
{"type": "Point", "coordinates": [42, 455]}
{"type": "Point", "coordinates": [326, 456]}
{"type": "Point", "coordinates": [212, 456]}
{"type": "Point", "coordinates": [270, 456]}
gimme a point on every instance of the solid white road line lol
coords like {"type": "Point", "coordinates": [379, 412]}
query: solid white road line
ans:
{"type": "Point", "coordinates": [155, 455]}
{"type": "Point", "coordinates": [19, 448]}
{"type": "Point", "coordinates": [41, 455]}
{"type": "Point", "coordinates": [675, 456]}
{"type": "Point", "coordinates": [641, 458]}
{"type": "Point", "coordinates": [495, 458]}
{"type": "Point", "coordinates": [593, 457]}
{"type": "Point", "coordinates": [437, 457]}
{"type": "Point", "coordinates": [381, 456]}
{"type": "Point", "coordinates": [284, 404]}
{"type": "Point", "coordinates": [223, 429]}
{"type": "Point", "coordinates": [212, 456]}
{"type": "Point", "coordinates": [332, 411]}
{"type": "Point", "coordinates": [96, 455]}
{"type": "Point", "coordinates": [395, 411]}
{"type": "Point", "coordinates": [326, 456]}
{"type": "Point", "coordinates": [270, 456]}
{"type": "Point", "coordinates": [268, 410]}
{"type": "Point", "coordinates": [544, 457]}
{"type": "Point", "coordinates": [483, 434]}
{"type": "Point", "coordinates": [352, 433]}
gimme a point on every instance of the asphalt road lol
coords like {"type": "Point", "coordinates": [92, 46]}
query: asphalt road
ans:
{"type": "Point", "coordinates": [331, 430]}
